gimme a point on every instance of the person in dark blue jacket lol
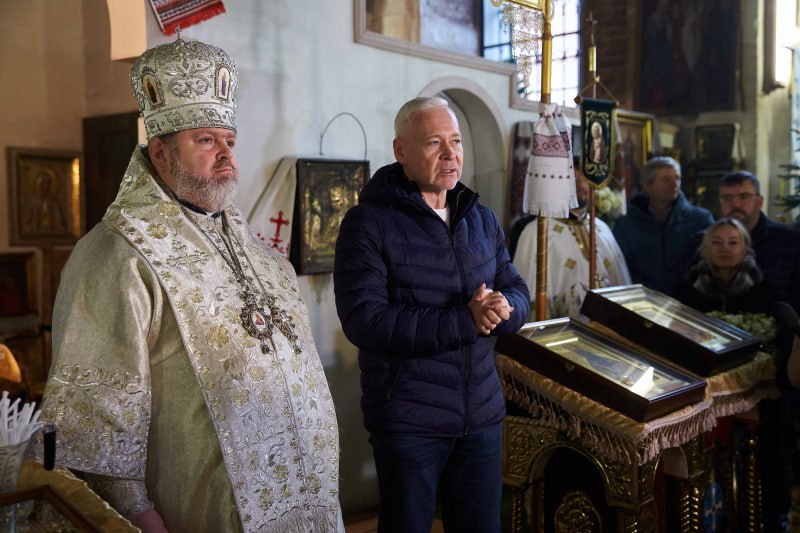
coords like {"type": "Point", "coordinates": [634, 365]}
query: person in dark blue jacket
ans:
{"type": "Point", "coordinates": [653, 234]}
{"type": "Point", "coordinates": [422, 280]}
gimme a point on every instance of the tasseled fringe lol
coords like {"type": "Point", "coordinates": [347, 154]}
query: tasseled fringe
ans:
{"type": "Point", "coordinates": [184, 13]}
{"type": "Point", "coordinates": [675, 435]}
{"type": "Point", "coordinates": [733, 404]}
{"type": "Point", "coordinates": [546, 209]}
{"type": "Point", "coordinates": [617, 447]}
{"type": "Point", "coordinates": [619, 438]}
{"type": "Point", "coordinates": [555, 417]}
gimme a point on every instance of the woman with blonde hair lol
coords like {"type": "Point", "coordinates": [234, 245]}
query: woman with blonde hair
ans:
{"type": "Point", "coordinates": [727, 277]}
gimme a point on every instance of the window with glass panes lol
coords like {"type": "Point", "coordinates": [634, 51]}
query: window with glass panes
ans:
{"type": "Point", "coordinates": [566, 60]}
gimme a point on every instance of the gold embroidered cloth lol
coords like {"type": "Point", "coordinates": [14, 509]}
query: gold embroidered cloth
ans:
{"type": "Point", "coordinates": [619, 438]}
{"type": "Point", "coordinates": [154, 377]}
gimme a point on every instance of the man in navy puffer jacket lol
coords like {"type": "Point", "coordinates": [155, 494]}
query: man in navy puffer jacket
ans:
{"type": "Point", "coordinates": [422, 280]}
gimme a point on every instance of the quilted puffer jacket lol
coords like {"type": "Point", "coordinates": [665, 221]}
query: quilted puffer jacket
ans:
{"type": "Point", "coordinates": [402, 280]}
{"type": "Point", "coordinates": [654, 249]}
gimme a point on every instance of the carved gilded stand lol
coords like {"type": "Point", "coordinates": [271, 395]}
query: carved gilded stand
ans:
{"type": "Point", "coordinates": [663, 476]}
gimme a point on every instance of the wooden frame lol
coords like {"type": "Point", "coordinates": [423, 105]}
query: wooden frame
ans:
{"type": "Point", "coordinates": [370, 38]}
{"type": "Point", "coordinates": [697, 342]}
{"type": "Point", "coordinates": [634, 137]}
{"type": "Point", "coordinates": [44, 196]}
{"type": "Point", "coordinates": [619, 375]}
{"type": "Point", "coordinates": [18, 286]}
{"type": "Point", "coordinates": [326, 189]}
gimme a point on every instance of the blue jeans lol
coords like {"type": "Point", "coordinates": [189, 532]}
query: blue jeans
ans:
{"type": "Point", "coordinates": [466, 472]}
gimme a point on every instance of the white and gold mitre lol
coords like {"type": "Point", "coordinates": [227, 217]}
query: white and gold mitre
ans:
{"type": "Point", "coordinates": [183, 85]}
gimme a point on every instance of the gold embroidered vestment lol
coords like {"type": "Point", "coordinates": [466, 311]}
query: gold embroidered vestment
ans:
{"type": "Point", "coordinates": [155, 378]}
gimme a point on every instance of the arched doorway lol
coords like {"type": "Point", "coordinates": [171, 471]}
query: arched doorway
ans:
{"type": "Point", "coordinates": [483, 138]}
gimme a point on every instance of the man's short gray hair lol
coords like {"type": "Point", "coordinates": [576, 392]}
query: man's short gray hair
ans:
{"type": "Point", "coordinates": [421, 103]}
{"type": "Point", "coordinates": [649, 170]}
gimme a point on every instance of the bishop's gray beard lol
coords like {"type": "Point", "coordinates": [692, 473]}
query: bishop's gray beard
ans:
{"type": "Point", "coordinates": [212, 194]}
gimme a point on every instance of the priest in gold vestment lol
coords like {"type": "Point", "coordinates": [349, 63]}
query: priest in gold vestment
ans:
{"type": "Point", "coordinates": [185, 381]}
{"type": "Point", "coordinates": [568, 256]}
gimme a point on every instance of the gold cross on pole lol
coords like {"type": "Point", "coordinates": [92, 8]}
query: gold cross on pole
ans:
{"type": "Point", "coordinates": [592, 23]}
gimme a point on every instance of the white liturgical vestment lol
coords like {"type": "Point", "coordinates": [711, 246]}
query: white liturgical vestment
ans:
{"type": "Point", "coordinates": [568, 262]}
{"type": "Point", "coordinates": [155, 378]}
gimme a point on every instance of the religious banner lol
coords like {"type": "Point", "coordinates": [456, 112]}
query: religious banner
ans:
{"type": "Point", "coordinates": [596, 128]}
{"type": "Point", "coordinates": [550, 182]}
{"type": "Point", "coordinates": [171, 14]}
{"type": "Point", "coordinates": [271, 215]}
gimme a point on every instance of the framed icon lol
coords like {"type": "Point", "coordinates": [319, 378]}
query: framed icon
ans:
{"type": "Point", "coordinates": [603, 367]}
{"type": "Point", "coordinates": [326, 189]}
{"type": "Point", "coordinates": [634, 137]}
{"type": "Point", "coordinates": [700, 343]}
{"type": "Point", "coordinates": [44, 196]}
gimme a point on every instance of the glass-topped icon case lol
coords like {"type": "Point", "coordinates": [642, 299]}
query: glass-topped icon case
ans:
{"type": "Point", "coordinates": [600, 366]}
{"type": "Point", "coordinates": [702, 344]}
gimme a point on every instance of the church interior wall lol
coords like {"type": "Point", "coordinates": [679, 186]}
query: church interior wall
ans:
{"type": "Point", "coordinates": [299, 67]}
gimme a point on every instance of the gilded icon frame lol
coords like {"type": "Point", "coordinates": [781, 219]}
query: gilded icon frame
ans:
{"type": "Point", "coordinates": [634, 137]}
{"type": "Point", "coordinates": [326, 189]}
{"type": "Point", "coordinates": [44, 200]}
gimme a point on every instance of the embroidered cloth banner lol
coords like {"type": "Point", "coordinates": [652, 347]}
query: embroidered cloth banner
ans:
{"type": "Point", "coordinates": [550, 181]}
{"type": "Point", "coordinates": [184, 13]}
{"type": "Point", "coordinates": [596, 130]}
{"type": "Point", "coordinates": [271, 216]}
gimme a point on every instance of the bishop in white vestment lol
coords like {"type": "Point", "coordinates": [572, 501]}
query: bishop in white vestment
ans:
{"type": "Point", "coordinates": [185, 381]}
